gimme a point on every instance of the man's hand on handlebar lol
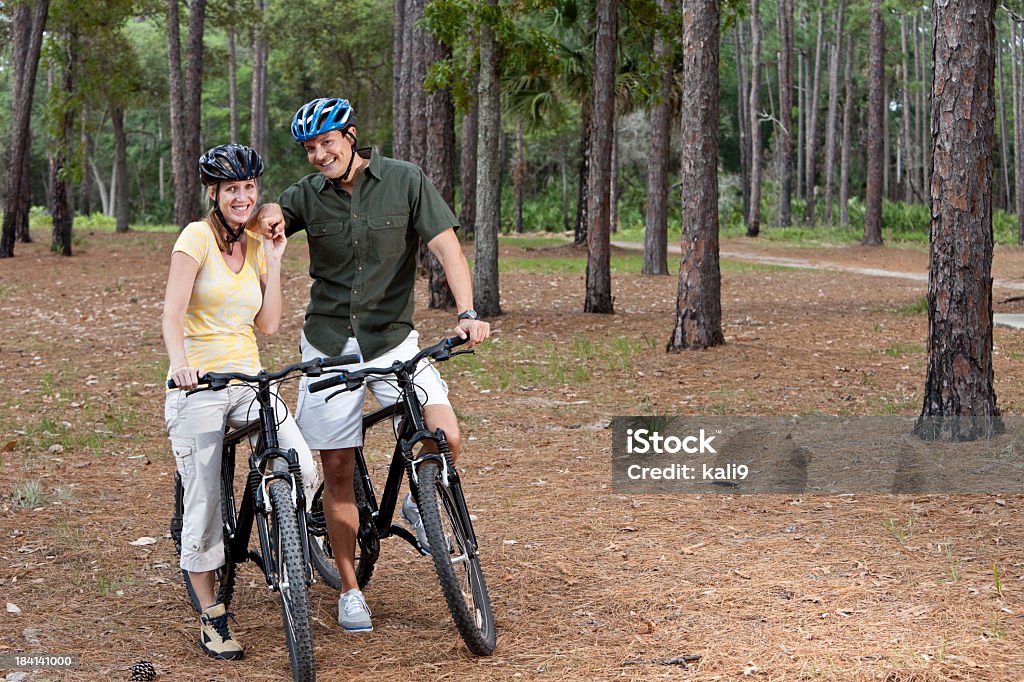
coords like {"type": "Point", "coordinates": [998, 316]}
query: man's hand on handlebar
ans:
{"type": "Point", "coordinates": [475, 330]}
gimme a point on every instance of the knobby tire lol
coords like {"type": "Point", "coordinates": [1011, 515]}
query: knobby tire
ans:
{"type": "Point", "coordinates": [461, 578]}
{"type": "Point", "coordinates": [290, 567]}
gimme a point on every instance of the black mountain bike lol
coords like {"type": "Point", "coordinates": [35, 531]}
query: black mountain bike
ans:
{"type": "Point", "coordinates": [273, 498]}
{"type": "Point", "coordinates": [438, 490]}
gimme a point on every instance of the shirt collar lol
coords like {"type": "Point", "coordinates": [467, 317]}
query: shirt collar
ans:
{"type": "Point", "coordinates": [320, 181]}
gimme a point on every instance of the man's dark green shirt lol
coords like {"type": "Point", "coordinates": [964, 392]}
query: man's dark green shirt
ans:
{"type": "Point", "coordinates": [363, 250]}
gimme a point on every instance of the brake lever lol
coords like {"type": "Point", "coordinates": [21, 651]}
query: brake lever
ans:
{"type": "Point", "coordinates": [462, 352]}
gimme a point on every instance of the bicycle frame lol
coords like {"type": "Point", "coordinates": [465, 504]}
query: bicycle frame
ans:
{"type": "Point", "coordinates": [412, 431]}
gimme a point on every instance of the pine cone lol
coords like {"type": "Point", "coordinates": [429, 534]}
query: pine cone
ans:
{"type": "Point", "coordinates": [143, 671]}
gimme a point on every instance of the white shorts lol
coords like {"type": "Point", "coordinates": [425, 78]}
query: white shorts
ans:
{"type": "Point", "coordinates": [339, 423]}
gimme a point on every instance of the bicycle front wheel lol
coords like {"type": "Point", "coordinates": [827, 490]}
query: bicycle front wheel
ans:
{"type": "Point", "coordinates": [445, 519]}
{"type": "Point", "coordinates": [290, 567]}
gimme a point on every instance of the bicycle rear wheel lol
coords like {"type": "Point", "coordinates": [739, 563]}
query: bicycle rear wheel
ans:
{"type": "Point", "coordinates": [445, 521]}
{"type": "Point", "coordinates": [290, 568]}
{"type": "Point", "coordinates": [224, 577]}
{"type": "Point", "coordinates": [367, 539]}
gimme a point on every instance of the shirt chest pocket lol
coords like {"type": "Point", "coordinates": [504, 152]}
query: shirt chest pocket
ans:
{"type": "Point", "coordinates": [330, 243]}
{"type": "Point", "coordinates": [388, 235]}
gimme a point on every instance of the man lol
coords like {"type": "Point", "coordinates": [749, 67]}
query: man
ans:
{"type": "Point", "coordinates": [364, 216]}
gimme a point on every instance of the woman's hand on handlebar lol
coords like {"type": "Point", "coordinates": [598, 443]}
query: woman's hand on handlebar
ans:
{"type": "Point", "coordinates": [186, 378]}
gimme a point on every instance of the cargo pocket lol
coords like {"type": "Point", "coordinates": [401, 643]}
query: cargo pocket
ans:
{"type": "Point", "coordinates": [184, 458]}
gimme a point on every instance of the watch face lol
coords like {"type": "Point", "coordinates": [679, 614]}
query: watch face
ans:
{"type": "Point", "coordinates": [468, 315]}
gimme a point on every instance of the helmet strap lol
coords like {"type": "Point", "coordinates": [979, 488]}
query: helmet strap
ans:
{"type": "Point", "coordinates": [351, 157]}
{"type": "Point", "coordinates": [233, 235]}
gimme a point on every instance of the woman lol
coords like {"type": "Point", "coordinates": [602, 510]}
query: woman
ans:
{"type": "Point", "coordinates": [224, 281]}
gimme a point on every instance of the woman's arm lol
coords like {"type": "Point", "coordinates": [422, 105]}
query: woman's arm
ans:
{"type": "Point", "coordinates": [180, 280]}
{"type": "Point", "coordinates": [268, 319]}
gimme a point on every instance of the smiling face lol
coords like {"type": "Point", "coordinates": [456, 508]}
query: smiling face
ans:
{"type": "Point", "coordinates": [237, 200]}
{"type": "Point", "coordinates": [329, 152]}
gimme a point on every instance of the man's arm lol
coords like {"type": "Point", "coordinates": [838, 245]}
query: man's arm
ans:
{"type": "Point", "coordinates": [448, 251]}
{"type": "Point", "coordinates": [271, 221]}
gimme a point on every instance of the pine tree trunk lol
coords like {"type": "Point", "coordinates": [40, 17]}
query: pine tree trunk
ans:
{"type": "Point", "coordinates": [28, 22]}
{"type": "Point", "coordinates": [258, 97]}
{"type": "Point", "coordinates": [187, 197]}
{"type": "Point", "coordinates": [518, 177]}
{"type": "Point", "coordinates": [1004, 147]}
{"type": "Point", "coordinates": [959, 392]}
{"type": "Point", "coordinates": [906, 142]}
{"type": "Point", "coordinates": [832, 118]}
{"type": "Point", "coordinates": [62, 213]}
{"type": "Point", "coordinates": [656, 210]}
{"type": "Point", "coordinates": [232, 75]}
{"type": "Point", "coordinates": [785, 20]}
{"type": "Point", "coordinates": [399, 77]}
{"type": "Point", "coordinates": [486, 298]}
{"type": "Point", "coordinates": [812, 126]}
{"type": "Point", "coordinates": [801, 106]}
{"type": "Point", "coordinates": [876, 126]}
{"type": "Point", "coordinates": [416, 53]}
{"type": "Point", "coordinates": [120, 167]}
{"type": "Point", "coordinates": [743, 112]}
{"type": "Point", "coordinates": [582, 202]}
{"type": "Point", "coordinates": [844, 157]}
{"type": "Point", "coordinates": [754, 107]}
{"type": "Point", "coordinates": [467, 169]}
{"type": "Point", "coordinates": [86, 145]}
{"type": "Point", "coordinates": [598, 297]}
{"type": "Point", "coordinates": [698, 321]}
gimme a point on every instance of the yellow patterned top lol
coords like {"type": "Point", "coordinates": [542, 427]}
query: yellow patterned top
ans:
{"type": "Point", "coordinates": [220, 318]}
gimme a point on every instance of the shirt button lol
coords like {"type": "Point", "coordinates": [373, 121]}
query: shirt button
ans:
{"type": "Point", "coordinates": [360, 267]}
{"type": "Point", "coordinates": [355, 215]}
{"type": "Point", "coordinates": [355, 293]}
{"type": "Point", "coordinates": [356, 241]}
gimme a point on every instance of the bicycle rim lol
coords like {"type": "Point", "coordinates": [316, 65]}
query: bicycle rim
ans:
{"type": "Point", "coordinates": [458, 564]}
{"type": "Point", "coordinates": [287, 559]}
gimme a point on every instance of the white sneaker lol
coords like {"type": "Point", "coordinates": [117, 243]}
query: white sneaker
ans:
{"type": "Point", "coordinates": [411, 514]}
{"type": "Point", "coordinates": [353, 613]}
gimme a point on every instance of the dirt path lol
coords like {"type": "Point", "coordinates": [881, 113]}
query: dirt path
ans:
{"type": "Point", "coordinates": [587, 583]}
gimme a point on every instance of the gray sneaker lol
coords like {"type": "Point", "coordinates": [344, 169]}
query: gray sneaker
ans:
{"type": "Point", "coordinates": [353, 613]}
{"type": "Point", "coordinates": [411, 514]}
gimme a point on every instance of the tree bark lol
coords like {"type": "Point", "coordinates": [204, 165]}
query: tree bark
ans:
{"type": "Point", "coordinates": [698, 320]}
{"type": "Point", "coordinates": [812, 126]}
{"type": "Point", "coordinates": [416, 55]}
{"type": "Point", "coordinates": [439, 161]}
{"type": "Point", "coordinates": [193, 91]}
{"type": "Point", "coordinates": [1004, 147]}
{"type": "Point", "coordinates": [959, 392]}
{"type": "Point", "coordinates": [832, 118]}
{"type": "Point", "coordinates": [598, 298]}
{"type": "Point", "coordinates": [27, 28]}
{"type": "Point", "coordinates": [582, 202]}
{"type": "Point", "coordinates": [258, 97]}
{"type": "Point", "coordinates": [486, 293]}
{"type": "Point", "coordinates": [800, 124]}
{"type": "Point", "coordinates": [876, 114]}
{"type": "Point", "coordinates": [232, 74]}
{"type": "Point", "coordinates": [85, 188]}
{"type": "Point", "coordinates": [467, 169]}
{"type": "Point", "coordinates": [844, 157]}
{"type": "Point", "coordinates": [656, 210]}
{"type": "Point", "coordinates": [754, 109]}
{"type": "Point", "coordinates": [743, 114]}
{"type": "Point", "coordinates": [906, 142]}
{"type": "Point", "coordinates": [400, 71]}
{"type": "Point", "coordinates": [518, 177]}
{"type": "Point", "coordinates": [785, 20]}
{"type": "Point", "coordinates": [120, 168]}
{"type": "Point", "coordinates": [60, 172]}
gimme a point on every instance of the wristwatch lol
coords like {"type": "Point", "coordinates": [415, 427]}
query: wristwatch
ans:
{"type": "Point", "coordinates": [468, 315]}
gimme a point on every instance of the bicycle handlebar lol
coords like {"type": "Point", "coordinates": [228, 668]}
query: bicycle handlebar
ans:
{"type": "Point", "coordinates": [439, 351]}
{"type": "Point", "coordinates": [313, 368]}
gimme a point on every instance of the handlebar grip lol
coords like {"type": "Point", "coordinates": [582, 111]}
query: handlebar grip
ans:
{"type": "Point", "coordinates": [457, 341]}
{"type": "Point", "coordinates": [202, 380]}
{"type": "Point", "coordinates": [349, 359]}
{"type": "Point", "coordinates": [324, 384]}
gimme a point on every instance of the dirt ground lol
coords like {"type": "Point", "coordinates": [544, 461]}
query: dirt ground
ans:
{"type": "Point", "coordinates": [586, 583]}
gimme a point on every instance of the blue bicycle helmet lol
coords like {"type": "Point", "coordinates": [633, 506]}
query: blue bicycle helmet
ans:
{"type": "Point", "coordinates": [320, 116]}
